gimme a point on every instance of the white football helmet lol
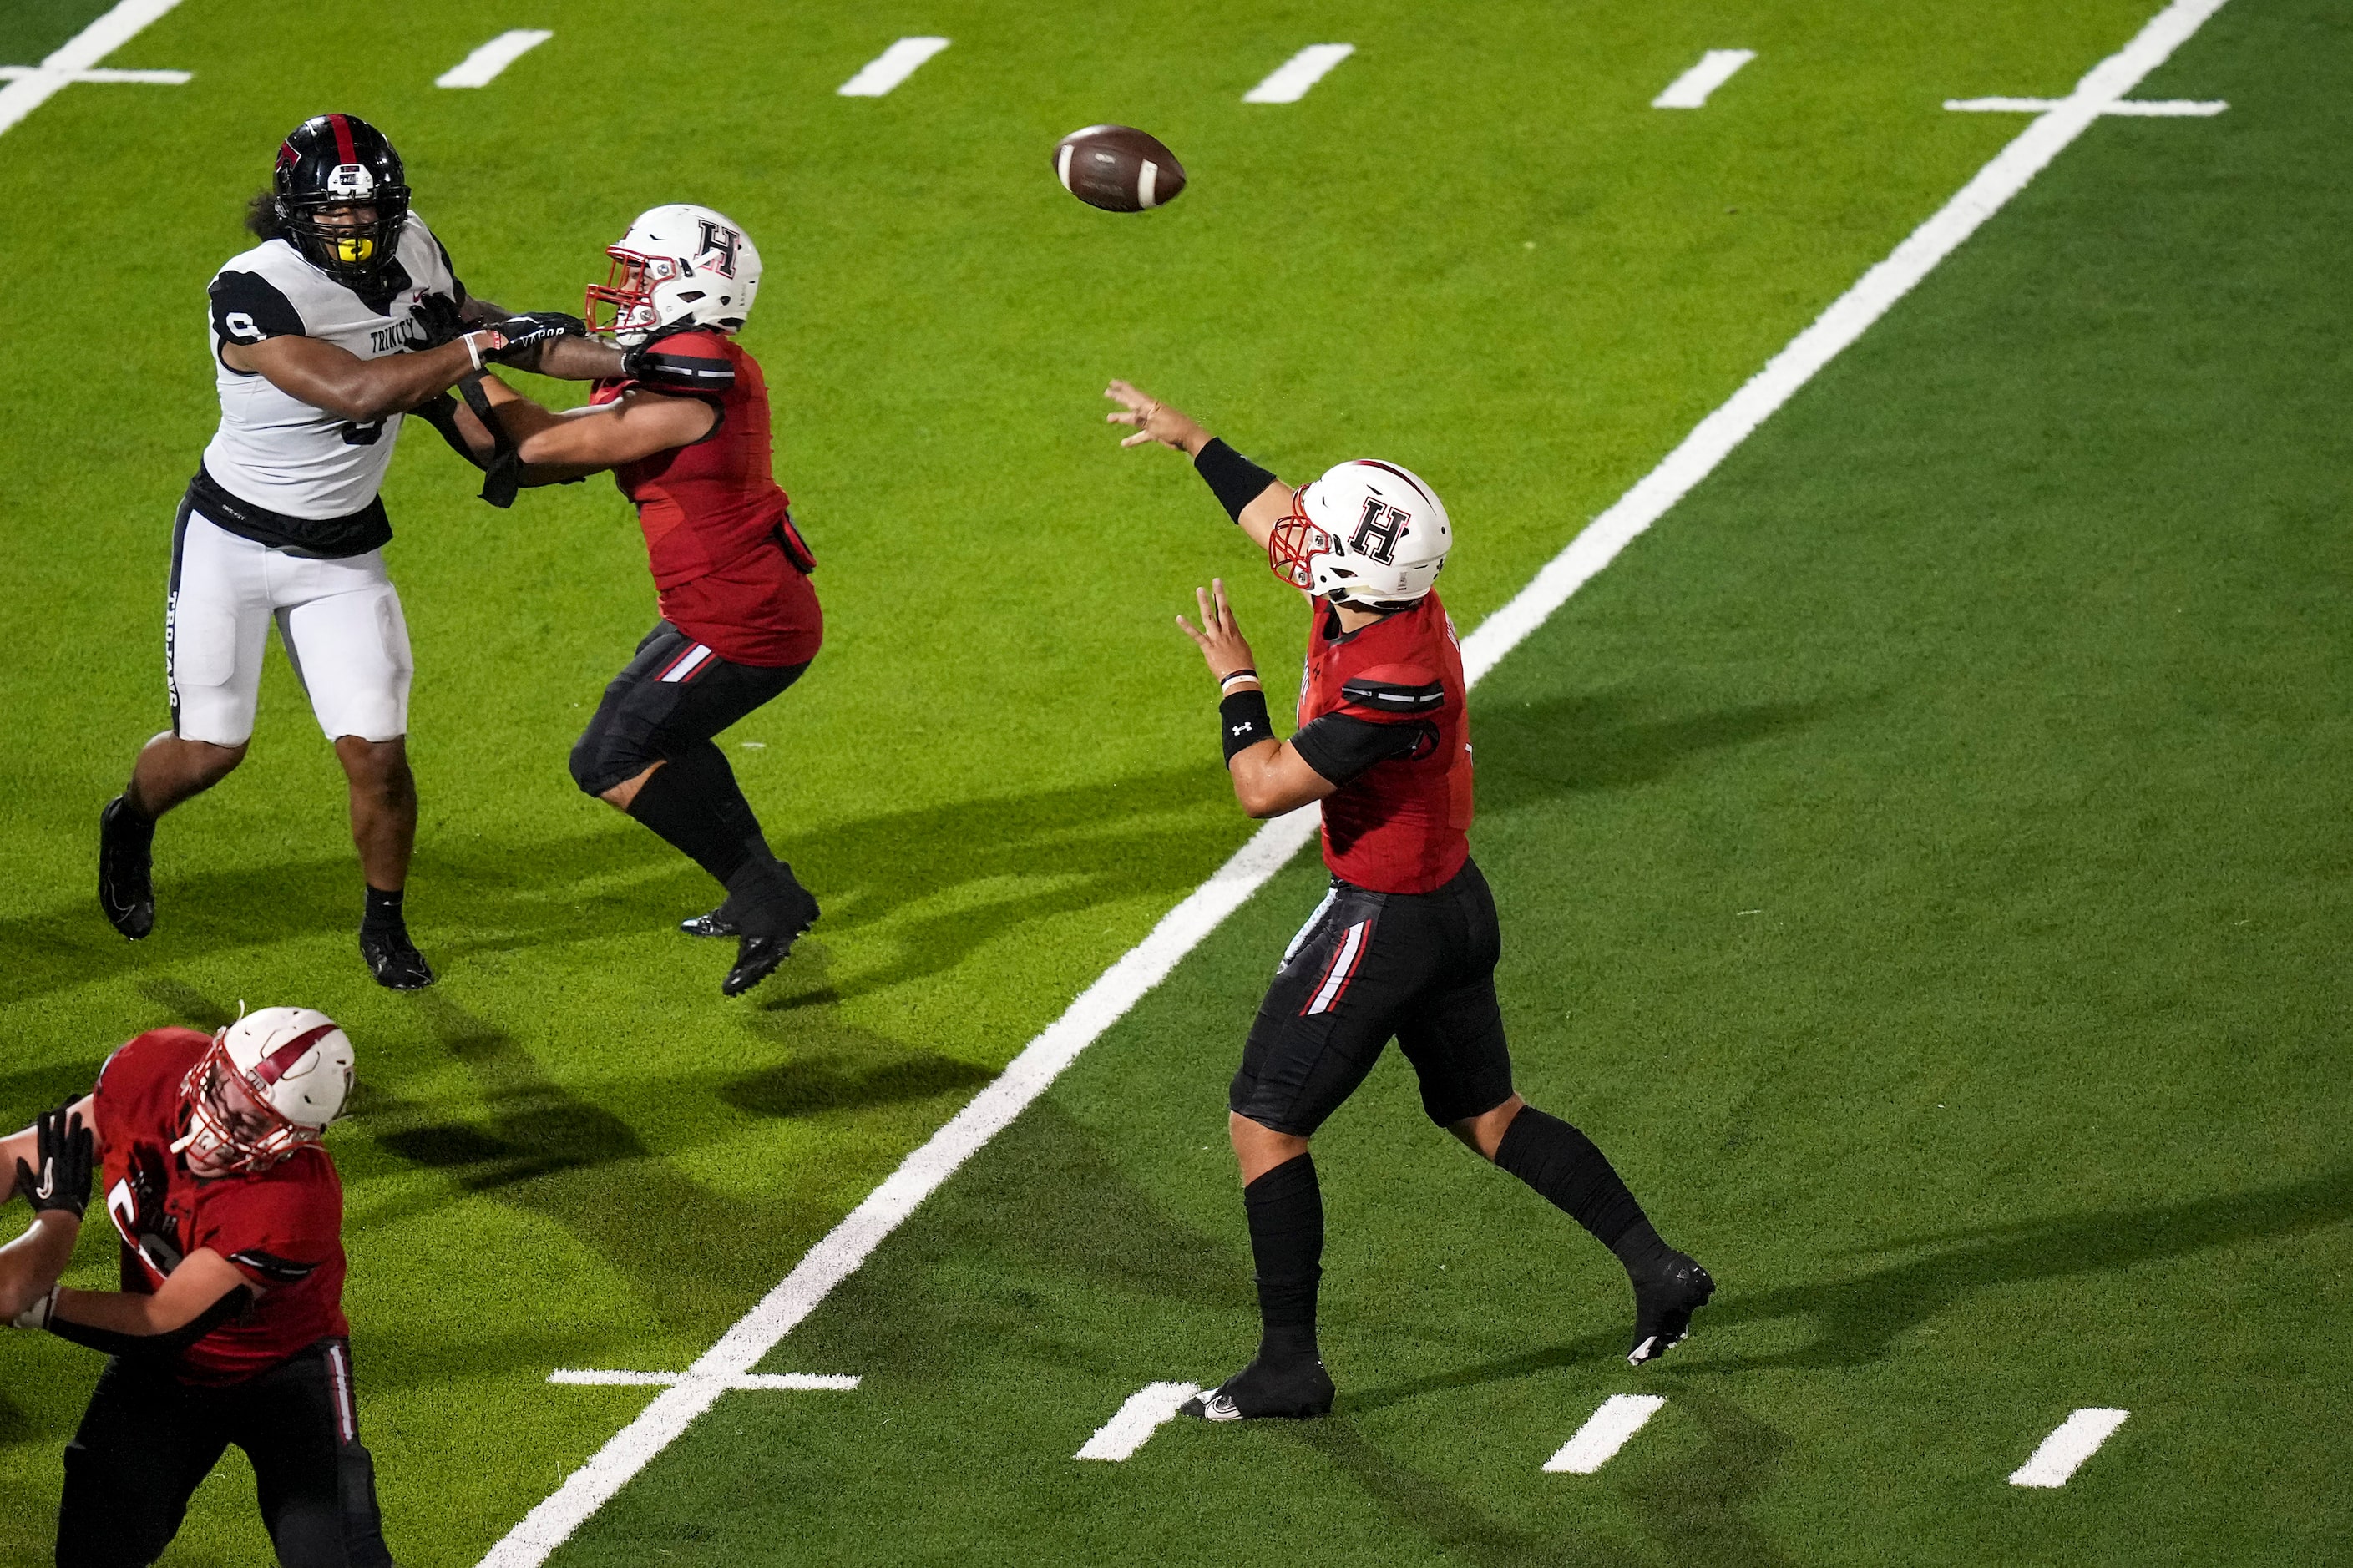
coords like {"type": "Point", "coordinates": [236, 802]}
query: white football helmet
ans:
{"type": "Point", "coordinates": [679, 265]}
{"type": "Point", "coordinates": [1369, 534]}
{"type": "Point", "coordinates": [295, 1064]}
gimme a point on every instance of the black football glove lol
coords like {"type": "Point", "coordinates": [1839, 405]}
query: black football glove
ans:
{"type": "Point", "coordinates": [437, 316]}
{"type": "Point", "coordinates": [65, 1150]}
{"type": "Point", "coordinates": [525, 333]}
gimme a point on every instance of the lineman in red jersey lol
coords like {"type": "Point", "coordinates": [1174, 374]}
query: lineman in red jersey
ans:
{"type": "Point", "coordinates": [685, 432]}
{"type": "Point", "coordinates": [230, 1326]}
{"type": "Point", "coordinates": [1404, 944]}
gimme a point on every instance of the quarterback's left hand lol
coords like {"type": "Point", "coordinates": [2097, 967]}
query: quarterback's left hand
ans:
{"type": "Point", "coordinates": [1220, 639]}
{"type": "Point", "coordinates": [525, 333]}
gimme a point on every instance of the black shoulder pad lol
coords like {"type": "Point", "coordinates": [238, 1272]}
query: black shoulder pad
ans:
{"type": "Point", "coordinates": [248, 307]}
{"type": "Point", "coordinates": [680, 362]}
{"type": "Point", "coordinates": [1391, 696]}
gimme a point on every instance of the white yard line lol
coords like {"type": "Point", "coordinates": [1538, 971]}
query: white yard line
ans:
{"type": "Point", "coordinates": [892, 67]}
{"type": "Point", "coordinates": [73, 60]}
{"type": "Point", "coordinates": [781, 1382]}
{"type": "Point", "coordinates": [1291, 79]}
{"type": "Point", "coordinates": [847, 1245]}
{"type": "Point", "coordinates": [483, 66]}
{"type": "Point", "coordinates": [2153, 108]}
{"type": "Point", "coordinates": [1690, 90]}
{"type": "Point", "coordinates": [2063, 1452]}
{"type": "Point", "coordinates": [1136, 1421]}
{"type": "Point", "coordinates": [1604, 1433]}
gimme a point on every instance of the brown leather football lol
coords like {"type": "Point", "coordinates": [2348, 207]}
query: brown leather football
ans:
{"type": "Point", "coordinates": [1118, 168]}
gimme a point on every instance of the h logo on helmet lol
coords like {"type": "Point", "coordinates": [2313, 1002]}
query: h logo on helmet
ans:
{"type": "Point", "coordinates": [716, 249]}
{"type": "Point", "coordinates": [1377, 530]}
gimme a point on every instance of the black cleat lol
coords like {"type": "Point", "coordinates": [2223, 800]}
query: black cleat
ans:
{"type": "Point", "coordinates": [1292, 1393]}
{"type": "Point", "coordinates": [395, 961]}
{"type": "Point", "coordinates": [718, 922]}
{"type": "Point", "coordinates": [1665, 1297]}
{"type": "Point", "coordinates": [126, 862]}
{"type": "Point", "coordinates": [756, 957]}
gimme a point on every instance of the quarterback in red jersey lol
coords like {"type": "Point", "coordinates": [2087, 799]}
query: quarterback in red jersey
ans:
{"type": "Point", "coordinates": [685, 432]}
{"type": "Point", "coordinates": [229, 1325]}
{"type": "Point", "coordinates": [1404, 944]}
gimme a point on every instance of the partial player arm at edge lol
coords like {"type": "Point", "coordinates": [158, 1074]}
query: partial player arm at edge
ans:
{"type": "Point", "coordinates": [23, 1145]}
{"type": "Point", "coordinates": [206, 1290]}
{"type": "Point", "coordinates": [30, 1264]}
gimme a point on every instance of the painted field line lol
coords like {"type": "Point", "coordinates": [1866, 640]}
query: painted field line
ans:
{"type": "Point", "coordinates": [1146, 1410]}
{"type": "Point", "coordinates": [72, 61]}
{"type": "Point", "coordinates": [2151, 107]}
{"type": "Point", "coordinates": [1604, 1433]}
{"type": "Point", "coordinates": [1290, 80]}
{"type": "Point", "coordinates": [1690, 90]}
{"type": "Point", "coordinates": [841, 1252]}
{"type": "Point", "coordinates": [483, 66]}
{"type": "Point", "coordinates": [892, 67]}
{"type": "Point", "coordinates": [2063, 1452]}
{"type": "Point", "coordinates": [781, 1382]}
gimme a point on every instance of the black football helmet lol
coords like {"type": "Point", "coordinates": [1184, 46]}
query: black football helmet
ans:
{"type": "Point", "coordinates": [332, 162]}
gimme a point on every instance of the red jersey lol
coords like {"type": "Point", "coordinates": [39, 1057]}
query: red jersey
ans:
{"type": "Point", "coordinates": [731, 570]}
{"type": "Point", "coordinates": [1399, 825]}
{"type": "Point", "coordinates": [282, 1228]}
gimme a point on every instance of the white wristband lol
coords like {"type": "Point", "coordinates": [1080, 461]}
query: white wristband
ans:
{"type": "Point", "coordinates": [474, 349]}
{"type": "Point", "coordinates": [36, 1316]}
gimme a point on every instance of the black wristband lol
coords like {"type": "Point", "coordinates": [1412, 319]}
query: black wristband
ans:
{"type": "Point", "coordinates": [1243, 720]}
{"type": "Point", "coordinates": [1233, 478]}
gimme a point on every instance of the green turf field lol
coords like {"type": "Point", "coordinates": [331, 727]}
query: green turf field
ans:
{"type": "Point", "coordinates": [1923, 857]}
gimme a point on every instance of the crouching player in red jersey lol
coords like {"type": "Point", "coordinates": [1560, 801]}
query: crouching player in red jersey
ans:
{"type": "Point", "coordinates": [685, 431]}
{"type": "Point", "coordinates": [1405, 943]}
{"type": "Point", "coordinates": [230, 1326]}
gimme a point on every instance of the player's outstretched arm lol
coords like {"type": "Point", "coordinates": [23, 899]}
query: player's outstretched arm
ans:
{"type": "Point", "coordinates": [556, 447]}
{"type": "Point", "coordinates": [205, 1290]}
{"type": "Point", "coordinates": [1254, 497]}
{"type": "Point", "coordinates": [56, 1182]}
{"type": "Point", "coordinates": [362, 390]}
{"type": "Point", "coordinates": [1269, 776]}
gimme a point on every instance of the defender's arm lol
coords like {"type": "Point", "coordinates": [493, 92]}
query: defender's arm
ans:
{"type": "Point", "coordinates": [361, 390]}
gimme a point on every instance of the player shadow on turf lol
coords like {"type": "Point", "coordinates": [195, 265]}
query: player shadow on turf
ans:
{"type": "Point", "coordinates": [1857, 1319]}
{"type": "Point", "coordinates": [1586, 741]}
{"type": "Point", "coordinates": [1049, 853]}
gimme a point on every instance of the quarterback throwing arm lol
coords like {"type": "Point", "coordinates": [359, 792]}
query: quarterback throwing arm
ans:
{"type": "Point", "coordinates": [1404, 944]}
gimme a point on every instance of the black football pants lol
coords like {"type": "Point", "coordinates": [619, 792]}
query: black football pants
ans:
{"type": "Point", "coordinates": [148, 1439]}
{"type": "Point", "coordinates": [672, 697]}
{"type": "Point", "coordinates": [1367, 968]}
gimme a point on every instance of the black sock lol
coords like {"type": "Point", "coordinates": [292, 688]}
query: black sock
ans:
{"type": "Point", "coordinates": [1563, 1167]}
{"type": "Point", "coordinates": [1286, 1226]}
{"type": "Point", "coordinates": [132, 819]}
{"type": "Point", "coordinates": [685, 802]}
{"type": "Point", "coordinates": [383, 914]}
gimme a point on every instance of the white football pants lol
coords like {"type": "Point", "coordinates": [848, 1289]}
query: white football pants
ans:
{"type": "Point", "coordinates": [339, 621]}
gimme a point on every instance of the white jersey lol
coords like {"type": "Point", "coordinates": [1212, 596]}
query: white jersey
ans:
{"type": "Point", "coordinates": [277, 453]}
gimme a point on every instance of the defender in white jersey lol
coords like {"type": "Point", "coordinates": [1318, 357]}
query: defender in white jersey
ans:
{"type": "Point", "coordinates": [346, 317]}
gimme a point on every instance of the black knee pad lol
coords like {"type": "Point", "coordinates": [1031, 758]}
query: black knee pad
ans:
{"type": "Point", "coordinates": [609, 754]}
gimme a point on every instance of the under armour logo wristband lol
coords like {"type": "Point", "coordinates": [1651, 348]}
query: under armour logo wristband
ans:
{"type": "Point", "coordinates": [1243, 718]}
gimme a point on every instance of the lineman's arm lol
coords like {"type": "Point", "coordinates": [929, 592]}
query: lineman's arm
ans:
{"type": "Point", "coordinates": [53, 1175]}
{"type": "Point", "coordinates": [1269, 776]}
{"type": "Point", "coordinates": [316, 372]}
{"type": "Point", "coordinates": [30, 1265]}
{"type": "Point", "coordinates": [572, 357]}
{"type": "Point", "coordinates": [557, 447]}
{"type": "Point", "coordinates": [1255, 499]}
{"type": "Point", "coordinates": [202, 1292]}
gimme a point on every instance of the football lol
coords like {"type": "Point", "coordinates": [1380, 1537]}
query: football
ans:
{"type": "Point", "coordinates": [1118, 168]}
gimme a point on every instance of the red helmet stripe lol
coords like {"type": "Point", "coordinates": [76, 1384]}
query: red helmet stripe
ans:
{"type": "Point", "coordinates": [272, 1068]}
{"type": "Point", "coordinates": [345, 152]}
